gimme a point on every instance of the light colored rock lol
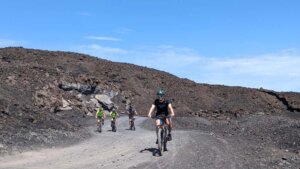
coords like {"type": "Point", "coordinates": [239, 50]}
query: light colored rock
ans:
{"type": "Point", "coordinates": [65, 103]}
{"type": "Point", "coordinates": [11, 80]}
{"type": "Point", "coordinates": [90, 114]}
{"type": "Point", "coordinates": [260, 113]}
{"type": "Point", "coordinates": [105, 100]}
{"type": "Point", "coordinates": [95, 102]}
{"type": "Point", "coordinates": [106, 112]}
{"type": "Point", "coordinates": [91, 105]}
{"type": "Point", "coordinates": [80, 97]}
{"type": "Point", "coordinates": [65, 108]}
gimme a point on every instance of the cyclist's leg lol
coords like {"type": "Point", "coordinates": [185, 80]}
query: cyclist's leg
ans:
{"type": "Point", "coordinates": [158, 122]}
{"type": "Point", "coordinates": [130, 120]}
{"type": "Point", "coordinates": [158, 125]}
{"type": "Point", "coordinates": [169, 123]}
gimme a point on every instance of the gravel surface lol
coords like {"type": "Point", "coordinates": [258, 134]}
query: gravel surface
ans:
{"type": "Point", "coordinates": [209, 148]}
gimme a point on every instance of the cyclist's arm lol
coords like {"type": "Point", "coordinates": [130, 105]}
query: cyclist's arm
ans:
{"type": "Point", "coordinates": [104, 115]}
{"type": "Point", "coordinates": [151, 110]}
{"type": "Point", "coordinates": [171, 109]}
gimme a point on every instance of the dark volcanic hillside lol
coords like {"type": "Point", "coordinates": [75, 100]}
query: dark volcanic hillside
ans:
{"type": "Point", "coordinates": [44, 92]}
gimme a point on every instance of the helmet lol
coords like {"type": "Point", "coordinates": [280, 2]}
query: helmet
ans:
{"type": "Point", "coordinates": [160, 93]}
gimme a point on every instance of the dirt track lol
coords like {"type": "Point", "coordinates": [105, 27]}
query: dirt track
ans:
{"type": "Point", "coordinates": [130, 149]}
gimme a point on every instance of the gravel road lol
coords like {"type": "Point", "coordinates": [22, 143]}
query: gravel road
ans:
{"type": "Point", "coordinates": [133, 149]}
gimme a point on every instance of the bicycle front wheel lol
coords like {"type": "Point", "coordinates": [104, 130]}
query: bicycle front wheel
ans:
{"type": "Point", "coordinates": [160, 141]}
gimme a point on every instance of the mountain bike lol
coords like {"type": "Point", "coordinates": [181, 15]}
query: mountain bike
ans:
{"type": "Point", "coordinates": [100, 124]}
{"type": "Point", "coordinates": [161, 133]}
{"type": "Point", "coordinates": [113, 125]}
{"type": "Point", "coordinates": [132, 126]}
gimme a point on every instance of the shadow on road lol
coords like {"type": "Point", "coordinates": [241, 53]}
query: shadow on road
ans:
{"type": "Point", "coordinates": [109, 130]}
{"type": "Point", "coordinates": [154, 151]}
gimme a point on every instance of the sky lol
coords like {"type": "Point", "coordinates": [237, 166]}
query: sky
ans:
{"type": "Point", "coordinates": [249, 43]}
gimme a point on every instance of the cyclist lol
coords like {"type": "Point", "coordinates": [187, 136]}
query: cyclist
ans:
{"type": "Point", "coordinates": [131, 113]}
{"type": "Point", "coordinates": [163, 107]}
{"type": "Point", "coordinates": [113, 115]}
{"type": "Point", "coordinates": [100, 116]}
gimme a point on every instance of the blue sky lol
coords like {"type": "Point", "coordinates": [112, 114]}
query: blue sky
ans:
{"type": "Point", "coordinates": [253, 43]}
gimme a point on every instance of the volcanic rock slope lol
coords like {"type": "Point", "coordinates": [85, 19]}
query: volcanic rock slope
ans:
{"type": "Point", "coordinates": [44, 92]}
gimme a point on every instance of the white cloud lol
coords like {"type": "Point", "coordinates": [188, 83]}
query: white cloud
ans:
{"type": "Point", "coordinates": [106, 38]}
{"type": "Point", "coordinates": [10, 43]}
{"type": "Point", "coordinates": [100, 51]}
{"type": "Point", "coordinates": [277, 71]}
{"type": "Point", "coordinates": [265, 65]}
{"type": "Point", "coordinates": [166, 56]}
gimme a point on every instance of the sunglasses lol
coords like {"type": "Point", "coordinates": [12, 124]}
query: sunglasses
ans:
{"type": "Point", "coordinates": [160, 96]}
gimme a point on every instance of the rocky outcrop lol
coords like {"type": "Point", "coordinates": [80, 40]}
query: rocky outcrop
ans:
{"type": "Point", "coordinates": [84, 89]}
{"type": "Point", "coordinates": [286, 99]}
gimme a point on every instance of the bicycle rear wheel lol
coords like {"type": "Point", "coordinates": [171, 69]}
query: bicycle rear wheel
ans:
{"type": "Point", "coordinates": [100, 127]}
{"type": "Point", "coordinates": [133, 126]}
{"type": "Point", "coordinates": [113, 126]}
